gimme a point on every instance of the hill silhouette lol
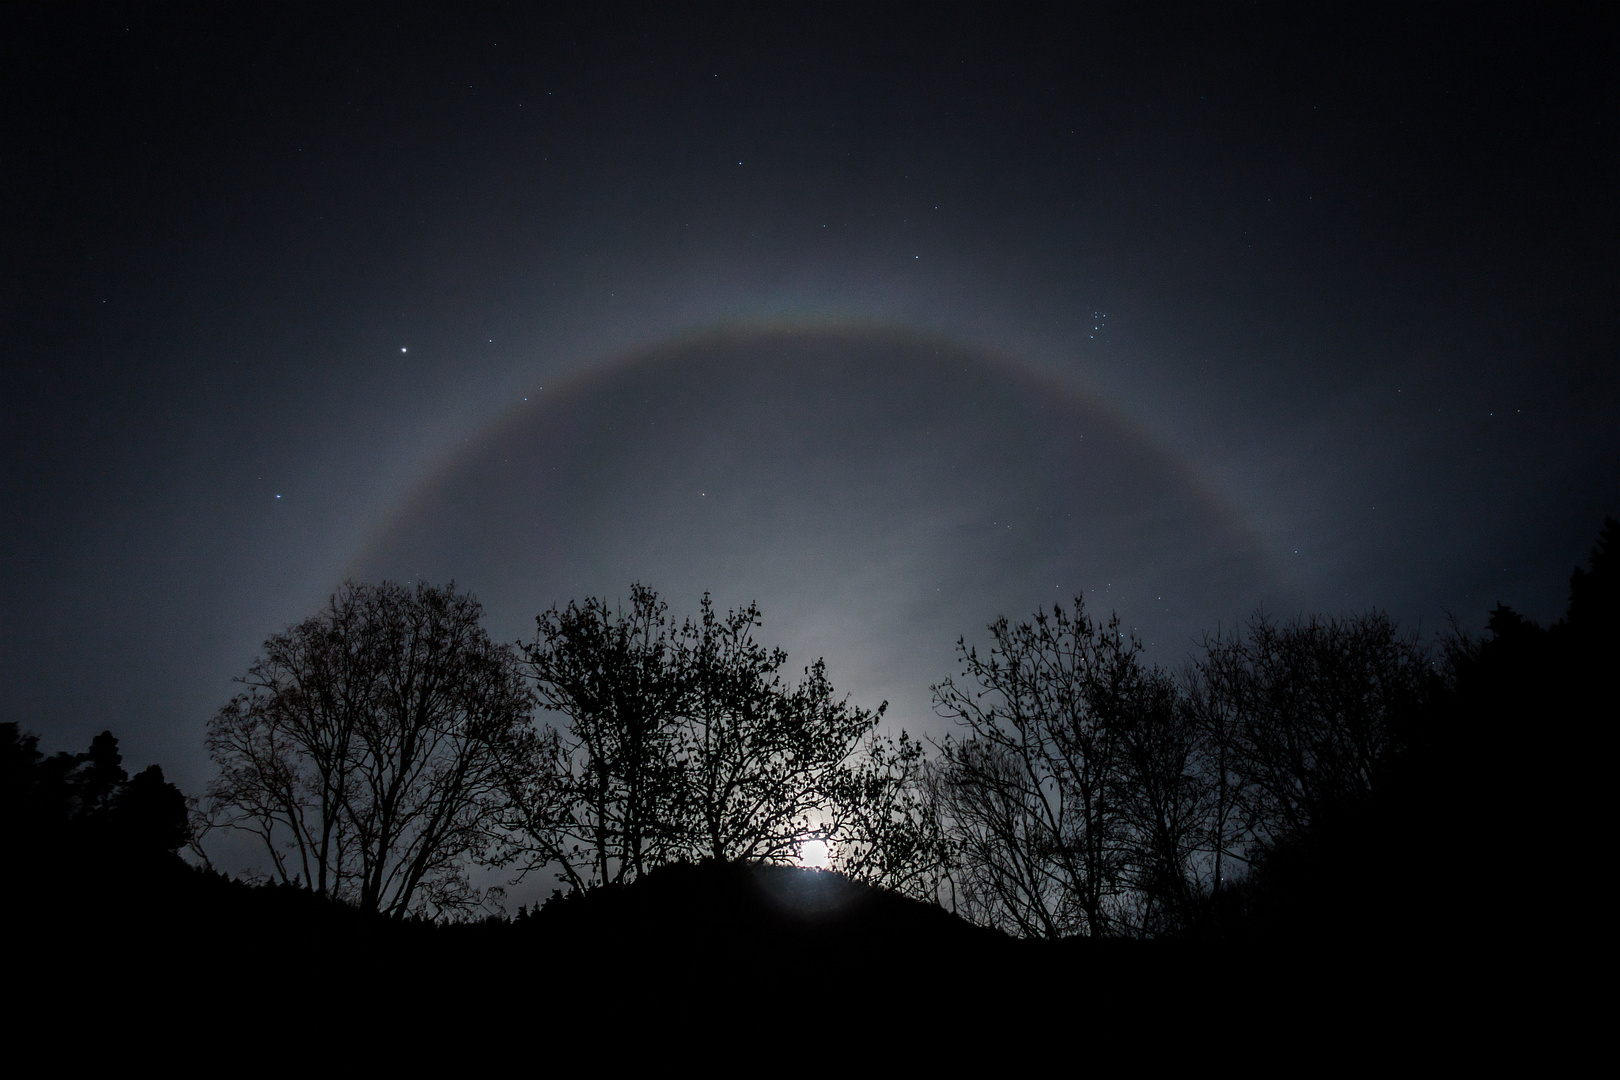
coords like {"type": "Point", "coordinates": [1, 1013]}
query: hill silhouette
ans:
{"type": "Point", "coordinates": [754, 949]}
{"type": "Point", "coordinates": [710, 915]}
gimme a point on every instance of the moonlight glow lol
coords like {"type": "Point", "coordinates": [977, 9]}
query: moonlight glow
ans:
{"type": "Point", "coordinates": [814, 854]}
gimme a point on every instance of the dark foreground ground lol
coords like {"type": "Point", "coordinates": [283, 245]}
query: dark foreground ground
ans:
{"type": "Point", "coordinates": [749, 955]}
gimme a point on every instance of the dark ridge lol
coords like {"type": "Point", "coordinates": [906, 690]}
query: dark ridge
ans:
{"type": "Point", "coordinates": [760, 949]}
{"type": "Point", "coordinates": [718, 913]}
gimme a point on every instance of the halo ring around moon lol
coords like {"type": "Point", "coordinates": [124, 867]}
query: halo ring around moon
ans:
{"type": "Point", "coordinates": [879, 493]}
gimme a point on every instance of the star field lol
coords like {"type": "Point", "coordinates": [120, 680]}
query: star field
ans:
{"type": "Point", "coordinates": [1307, 308]}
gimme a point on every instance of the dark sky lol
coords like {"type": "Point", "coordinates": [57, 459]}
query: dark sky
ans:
{"type": "Point", "coordinates": [892, 318]}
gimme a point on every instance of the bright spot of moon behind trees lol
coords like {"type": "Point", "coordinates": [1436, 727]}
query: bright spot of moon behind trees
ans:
{"type": "Point", "coordinates": [814, 854]}
{"type": "Point", "coordinates": [879, 495]}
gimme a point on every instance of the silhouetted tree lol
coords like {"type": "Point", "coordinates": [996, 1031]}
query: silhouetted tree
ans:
{"type": "Point", "coordinates": [1594, 591]}
{"type": "Point", "coordinates": [599, 795]}
{"type": "Point", "coordinates": [150, 814]}
{"type": "Point", "coordinates": [677, 745]}
{"type": "Point", "coordinates": [79, 806]}
{"type": "Point", "coordinates": [1168, 799]}
{"type": "Point", "coordinates": [1096, 794]}
{"type": "Point", "coordinates": [735, 742]}
{"type": "Point", "coordinates": [1308, 715]}
{"type": "Point", "coordinates": [1225, 839]}
{"type": "Point", "coordinates": [761, 763]}
{"type": "Point", "coordinates": [998, 846]}
{"type": "Point", "coordinates": [365, 753]}
{"type": "Point", "coordinates": [885, 829]}
{"type": "Point", "coordinates": [1531, 704]}
{"type": "Point", "coordinates": [1032, 799]}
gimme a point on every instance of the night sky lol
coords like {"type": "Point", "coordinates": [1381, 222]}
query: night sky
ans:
{"type": "Point", "coordinates": [893, 319]}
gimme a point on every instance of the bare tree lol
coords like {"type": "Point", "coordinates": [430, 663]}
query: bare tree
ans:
{"type": "Point", "coordinates": [681, 745]}
{"type": "Point", "coordinates": [1031, 798]}
{"type": "Point", "coordinates": [598, 796]}
{"type": "Point", "coordinates": [760, 761]}
{"type": "Point", "coordinates": [730, 731]}
{"type": "Point", "coordinates": [1096, 794]}
{"type": "Point", "coordinates": [1001, 866]}
{"type": "Point", "coordinates": [1225, 834]}
{"type": "Point", "coordinates": [883, 827]}
{"type": "Point", "coordinates": [1307, 715]}
{"type": "Point", "coordinates": [365, 751]}
{"type": "Point", "coordinates": [1166, 800]}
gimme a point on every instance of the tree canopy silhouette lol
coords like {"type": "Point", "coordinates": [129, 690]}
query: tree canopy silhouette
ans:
{"type": "Point", "coordinates": [685, 744]}
{"type": "Point", "coordinates": [1292, 767]}
{"type": "Point", "coordinates": [365, 752]}
{"type": "Point", "coordinates": [760, 761]}
{"type": "Point", "coordinates": [1069, 781]}
{"type": "Point", "coordinates": [1533, 703]}
{"type": "Point", "coordinates": [597, 799]}
{"type": "Point", "coordinates": [1096, 794]}
{"type": "Point", "coordinates": [1309, 714]}
{"type": "Point", "coordinates": [85, 805]}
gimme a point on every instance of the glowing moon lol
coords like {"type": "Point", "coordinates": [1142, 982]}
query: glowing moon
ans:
{"type": "Point", "coordinates": [814, 853]}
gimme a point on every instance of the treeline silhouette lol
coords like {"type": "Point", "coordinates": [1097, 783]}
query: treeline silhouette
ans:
{"type": "Point", "coordinates": [70, 809]}
{"type": "Point", "coordinates": [384, 748]}
{"type": "Point", "coordinates": [1320, 788]}
{"type": "Point", "coordinates": [1092, 793]}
